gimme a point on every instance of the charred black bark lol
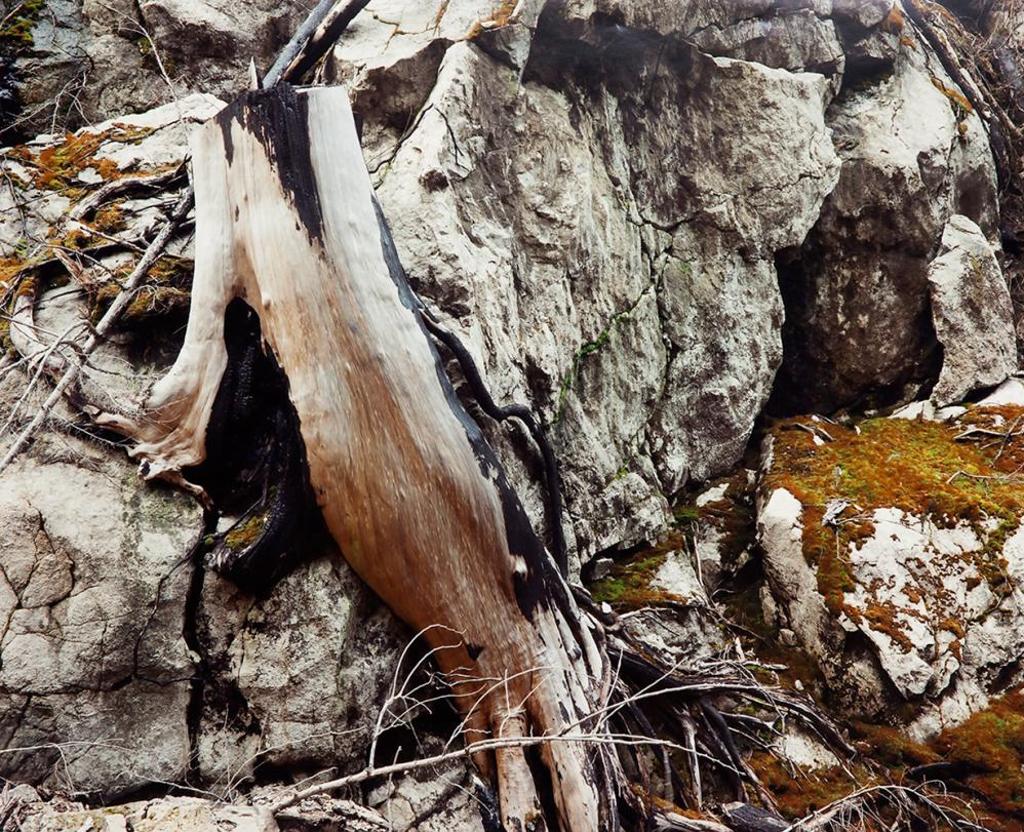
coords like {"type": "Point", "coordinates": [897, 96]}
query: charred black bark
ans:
{"type": "Point", "coordinates": [255, 467]}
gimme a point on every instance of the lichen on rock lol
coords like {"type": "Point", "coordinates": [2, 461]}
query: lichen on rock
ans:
{"type": "Point", "coordinates": [906, 533]}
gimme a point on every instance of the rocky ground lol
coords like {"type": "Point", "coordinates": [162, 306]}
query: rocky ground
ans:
{"type": "Point", "coordinates": [755, 264]}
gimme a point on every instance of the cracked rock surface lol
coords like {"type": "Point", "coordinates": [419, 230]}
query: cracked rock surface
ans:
{"type": "Point", "coordinates": [617, 271]}
{"type": "Point", "coordinates": [94, 572]}
{"type": "Point", "coordinates": [649, 222]}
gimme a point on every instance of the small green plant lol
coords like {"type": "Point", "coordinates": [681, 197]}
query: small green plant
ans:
{"type": "Point", "coordinates": [16, 36]}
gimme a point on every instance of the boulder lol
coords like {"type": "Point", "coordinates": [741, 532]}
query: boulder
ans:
{"type": "Point", "coordinates": [858, 311]}
{"type": "Point", "coordinates": [296, 678]}
{"type": "Point", "coordinates": [892, 553]}
{"type": "Point", "coordinates": [971, 312]}
{"type": "Point", "coordinates": [436, 800]}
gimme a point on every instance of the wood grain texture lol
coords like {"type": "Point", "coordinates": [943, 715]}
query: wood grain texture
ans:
{"type": "Point", "coordinates": [408, 486]}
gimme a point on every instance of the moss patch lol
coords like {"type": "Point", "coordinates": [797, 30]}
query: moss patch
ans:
{"type": "Point", "coordinates": [593, 346]}
{"type": "Point", "coordinates": [56, 167]}
{"type": "Point", "coordinates": [245, 533]}
{"type": "Point", "coordinates": [960, 103]}
{"type": "Point", "coordinates": [798, 793]}
{"type": "Point", "coordinates": [991, 746]}
{"type": "Point", "coordinates": [165, 291]}
{"type": "Point", "coordinates": [986, 753]}
{"type": "Point", "coordinates": [918, 467]}
{"type": "Point", "coordinates": [629, 584]}
{"type": "Point", "coordinates": [16, 35]}
{"type": "Point", "coordinates": [891, 747]}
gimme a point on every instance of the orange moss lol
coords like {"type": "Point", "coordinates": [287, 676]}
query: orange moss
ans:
{"type": "Point", "coordinates": [894, 21]}
{"type": "Point", "coordinates": [800, 793]}
{"type": "Point", "coordinates": [918, 467]}
{"type": "Point", "coordinates": [167, 289]}
{"type": "Point", "coordinates": [954, 95]}
{"type": "Point", "coordinates": [503, 14]}
{"type": "Point", "coordinates": [882, 619]}
{"type": "Point", "coordinates": [57, 166]}
{"type": "Point", "coordinates": [9, 269]}
{"type": "Point", "coordinates": [109, 219]}
{"type": "Point", "coordinates": [991, 745]}
{"type": "Point", "coordinates": [890, 746]}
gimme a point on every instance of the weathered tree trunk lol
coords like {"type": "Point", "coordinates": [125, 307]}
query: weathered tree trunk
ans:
{"type": "Point", "coordinates": [408, 486]}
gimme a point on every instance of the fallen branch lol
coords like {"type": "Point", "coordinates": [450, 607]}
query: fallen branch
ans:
{"type": "Point", "coordinates": [106, 324]}
{"type": "Point", "coordinates": [465, 753]}
{"type": "Point", "coordinates": [312, 39]}
{"type": "Point", "coordinates": [124, 185]}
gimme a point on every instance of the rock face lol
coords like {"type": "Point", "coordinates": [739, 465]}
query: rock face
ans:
{"type": "Point", "coordinates": [95, 571]}
{"type": "Point", "coordinates": [668, 245]}
{"type": "Point", "coordinates": [898, 578]}
{"type": "Point", "coordinates": [614, 270]}
{"type": "Point", "coordinates": [644, 220]}
{"type": "Point", "coordinates": [167, 815]}
{"type": "Point", "coordinates": [296, 679]}
{"type": "Point", "coordinates": [857, 293]}
{"type": "Point", "coordinates": [82, 61]}
{"type": "Point", "coordinates": [971, 312]}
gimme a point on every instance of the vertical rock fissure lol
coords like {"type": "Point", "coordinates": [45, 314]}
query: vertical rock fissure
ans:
{"type": "Point", "coordinates": [190, 632]}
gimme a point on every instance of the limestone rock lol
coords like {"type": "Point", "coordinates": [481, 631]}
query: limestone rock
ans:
{"type": "Point", "coordinates": [299, 675]}
{"type": "Point", "coordinates": [435, 801]}
{"type": "Point", "coordinates": [972, 313]}
{"type": "Point", "coordinates": [857, 293]}
{"type": "Point", "coordinates": [918, 597]}
{"type": "Point", "coordinates": [637, 311]}
{"type": "Point", "coordinates": [619, 272]}
{"type": "Point", "coordinates": [95, 570]}
{"type": "Point", "coordinates": [169, 814]}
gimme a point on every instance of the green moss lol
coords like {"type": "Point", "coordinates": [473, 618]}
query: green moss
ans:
{"type": "Point", "coordinates": [629, 584]}
{"type": "Point", "coordinates": [165, 291]}
{"type": "Point", "coordinates": [591, 347]}
{"type": "Point", "coordinates": [686, 514]}
{"type": "Point", "coordinates": [16, 36]}
{"type": "Point", "coordinates": [245, 533]}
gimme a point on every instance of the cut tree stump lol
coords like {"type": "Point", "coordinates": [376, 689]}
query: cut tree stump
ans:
{"type": "Point", "coordinates": [409, 488]}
